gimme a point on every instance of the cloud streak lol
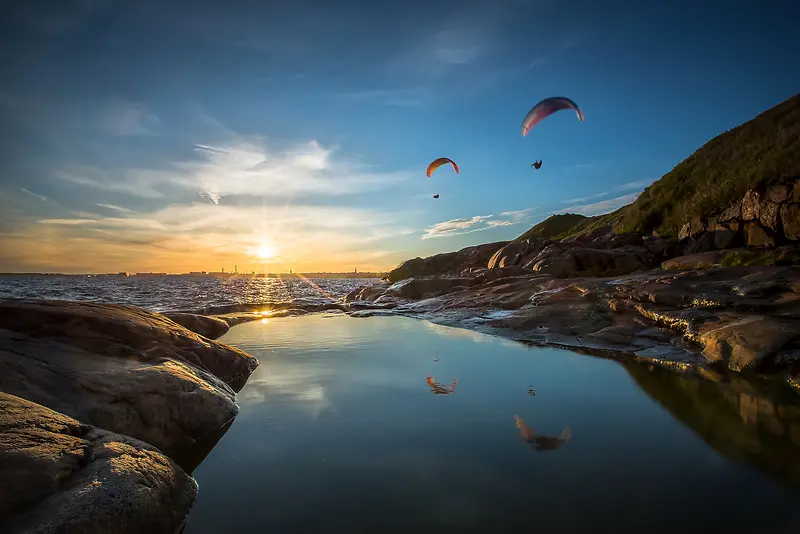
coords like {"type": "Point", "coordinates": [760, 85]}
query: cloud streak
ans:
{"type": "Point", "coordinates": [116, 208]}
{"type": "Point", "coordinates": [602, 207]}
{"type": "Point", "coordinates": [477, 223]}
{"type": "Point", "coordinates": [35, 195]}
{"type": "Point", "coordinates": [243, 167]}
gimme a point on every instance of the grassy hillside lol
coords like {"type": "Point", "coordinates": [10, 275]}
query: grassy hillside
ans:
{"type": "Point", "coordinates": [554, 225]}
{"type": "Point", "coordinates": [760, 152]}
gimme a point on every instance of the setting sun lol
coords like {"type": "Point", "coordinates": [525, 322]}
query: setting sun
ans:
{"type": "Point", "coordinates": [265, 252]}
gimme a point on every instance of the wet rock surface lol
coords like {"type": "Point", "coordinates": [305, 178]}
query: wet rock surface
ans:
{"type": "Point", "coordinates": [738, 318]}
{"type": "Point", "coordinates": [210, 327]}
{"type": "Point", "coordinates": [59, 475]}
{"type": "Point", "coordinates": [120, 368]}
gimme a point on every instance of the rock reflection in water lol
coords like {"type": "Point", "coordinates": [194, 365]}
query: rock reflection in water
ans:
{"type": "Point", "coordinates": [440, 389]}
{"type": "Point", "coordinates": [541, 443]}
{"type": "Point", "coordinates": [757, 423]}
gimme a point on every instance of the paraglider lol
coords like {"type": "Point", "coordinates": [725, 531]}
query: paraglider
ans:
{"type": "Point", "coordinates": [436, 195]}
{"type": "Point", "coordinates": [542, 443]}
{"type": "Point", "coordinates": [439, 389]}
{"type": "Point", "coordinates": [435, 164]}
{"type": "Point", "coordinates": [547, 107]}
{"type": "Point", "coordinates": [537, 165]}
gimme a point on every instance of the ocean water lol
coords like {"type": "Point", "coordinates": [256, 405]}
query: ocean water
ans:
{"type": "Point", "coordinates": [171, 293]}
{"type": "Point", "coordinates": [390, 424]}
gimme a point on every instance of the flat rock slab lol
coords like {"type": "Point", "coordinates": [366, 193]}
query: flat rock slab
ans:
{"type": "Point", "coordinates": [745, 318]}
{"type": "Point", "coordinates": [58, 475]}
{"type": "Point", "coordinates": [120, 368]}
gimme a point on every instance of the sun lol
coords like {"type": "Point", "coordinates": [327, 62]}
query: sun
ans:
{"type": "Point", "coordinates": [265, 252]}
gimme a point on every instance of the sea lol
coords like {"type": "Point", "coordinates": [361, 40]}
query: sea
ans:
{"type": "Point", "coordinates": [182, 293]}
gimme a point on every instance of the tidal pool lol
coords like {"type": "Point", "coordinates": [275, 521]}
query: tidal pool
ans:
{"type": "Point", "coordinates": [342, 430]}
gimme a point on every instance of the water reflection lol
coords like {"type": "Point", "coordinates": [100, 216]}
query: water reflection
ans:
{"type": "Point", "coordinates": [539, 442]}
{"type": "Point", "coordinates": [287, 467]}
{"type": "Point", "coordinates": [750, 421]}
{"type": "Point", "coordinates": [441, 389]}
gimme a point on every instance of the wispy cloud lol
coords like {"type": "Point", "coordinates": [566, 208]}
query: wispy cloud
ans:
{"type": "Point", "coordinates": [477, 223]}
{"type": "Point", "coordinates": [584, 199]}
{"type": "Point", "coordinates": [128, 118]}
{"type": "Point", "coordinates": [31, 193]}
{"type": "Point", "coordinates": [116, 208]}
{"type": "Point", "coordinates": [246, 167]}
{"type": "Point", "coordinates": [639, 184]}
{"type": "Point", "coordinates": [456, 227]}
{"type": "Point", "coordinates": [602, 207]}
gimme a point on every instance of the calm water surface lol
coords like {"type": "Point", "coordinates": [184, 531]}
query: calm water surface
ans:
{"type": "Point", "coordinates": [340, 432]}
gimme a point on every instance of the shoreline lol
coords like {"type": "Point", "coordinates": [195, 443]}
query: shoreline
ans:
{"type": "Point", "coordinates": [157, 386]}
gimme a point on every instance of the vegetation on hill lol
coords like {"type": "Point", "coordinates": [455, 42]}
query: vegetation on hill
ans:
{"type": "Point", "coordinates": [554, 225]}
{"type": "Point", "coordinates": [758, 153]}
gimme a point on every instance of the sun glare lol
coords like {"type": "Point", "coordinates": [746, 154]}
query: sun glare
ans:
{"type": "Point", "coordinates": [265, 252]}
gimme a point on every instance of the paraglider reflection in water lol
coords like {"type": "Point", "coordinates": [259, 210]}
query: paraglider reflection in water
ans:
{"type": "Point", "coordinates": [435, 164]}
{"type": "Point", "coordinates": [436, 195]}
{"type": "Point", "coordinates": [542, 443]}
{"type": "Point", "coordinates": [537, 165]}
{"type": "Point", "coordinates": [547, 107]}
{"type": "Point", "coordinates": [439, 389]}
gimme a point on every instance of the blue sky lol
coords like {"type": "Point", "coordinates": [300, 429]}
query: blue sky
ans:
{"type": "Point", "coordinates": [180, 135]}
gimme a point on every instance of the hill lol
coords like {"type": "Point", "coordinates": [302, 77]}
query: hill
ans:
{"type": "Point", "coordinates": [555, 225]}
{"type": "Point", "coordinates": [761, 152]}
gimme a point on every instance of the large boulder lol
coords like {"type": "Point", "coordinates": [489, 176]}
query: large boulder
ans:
{"type": "Point", "coordinates": [790, 216]}
{"type": "Point", "coordinates": [58, 475]}
{"type": "Point", "coordinates": [210, 327]}
{"type": "Point", "coordinates": [745, 342]}
{"type": "Point", "coordinates": [120, 368]}
{"type": "Point", "coordinates": [517, 253]}
{"type": "Point", "coordinates": [447, 263]}
{"type": "Point", "coordinates": [425, 287]}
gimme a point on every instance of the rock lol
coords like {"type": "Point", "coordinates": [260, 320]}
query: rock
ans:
{"type": "Point", "coordinates": [516, 253]}
{"type": "Point", "coordinates": [751, 205]}
{"type": "Point", "coordinates": [425, 287]}
{"type": "Point", "coordinates": [210, 327]}
{"type": "Point", "coordinates": [723, 237]}
{"type": "Point", "coordinates": [447, 263]}
{"type": "Point", "coordinates": [778, 193]}
{"type": "Point", "coordinates": [735, 226]}
{"type": "Point", "coordinates": [732, 212]}
{"type": "Point", "coordinates": [755, 236]}
{"type": "Point", "coordinates": [120, 368]}
{"type": "Point", "coordinates": [744, 342]}
{"type": "Point", "coordinates": [59, 475]}
{"type": "Point", "coordinates": [365, 293]}
{"type": "Point", "coordinates": [790, 216]}
{"type": "Point", "coordinates": [796, 192]}
{"type": "Point", "coordinates": [696, 226]}
{"type": "Point", "coordinates": [701, 260]}
{"type": "Point", "coordinates": [660, 246]}
{"type": "Point", "coordinates": [683, 233]}
{"type": "Point", "coordinates": [768, 215]}
{"type": "Point", "coordinates": [703, 243]}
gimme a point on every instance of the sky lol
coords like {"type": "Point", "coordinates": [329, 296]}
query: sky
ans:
{"type": "Point", "coordinates": [175, 136]}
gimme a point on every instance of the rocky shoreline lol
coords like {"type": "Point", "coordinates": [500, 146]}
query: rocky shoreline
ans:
{"type": "Point", "coordinates": [102, 408]}
{"type": "Point", "coordinates": [724, 295]}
